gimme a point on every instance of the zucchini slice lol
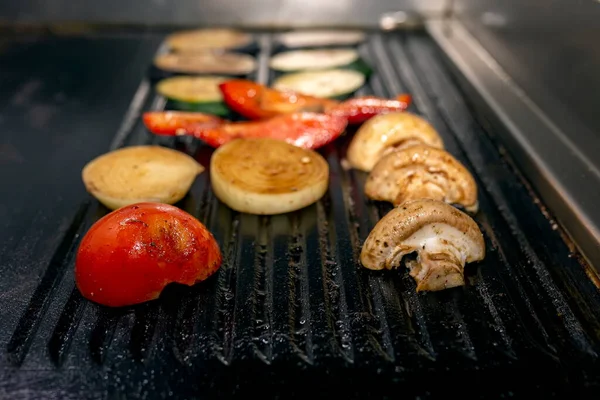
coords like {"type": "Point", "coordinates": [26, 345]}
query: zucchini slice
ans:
{"type": "Point", "coordinates": [361, 66]}
{"type": "Point", "coordinates": [194, 93]}
{"type": "Point", "coordinates": [320, 38]}
{"type": "Point", "coordinates": [206, 63]}
{"type": "Point", "coordinates": [317, 59]}
{"type": "Point", "coordinates": [199, 40]}
{"type": "Point", "coordinates": [333, 83]}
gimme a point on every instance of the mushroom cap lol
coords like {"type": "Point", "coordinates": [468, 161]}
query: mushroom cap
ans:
{"type": "Point", "coordinates": [388, 132]}
{"type": "Point", "coordinates": [422, 172]}
{"type": "Point", "coordinates": [444, 238]}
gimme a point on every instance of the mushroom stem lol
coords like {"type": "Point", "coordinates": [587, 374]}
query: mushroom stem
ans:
{"type": "Point", "coordinates": [436, 271]}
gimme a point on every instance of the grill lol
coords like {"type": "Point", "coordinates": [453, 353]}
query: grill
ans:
{"type": "Point", "coordinates": [292, 313]}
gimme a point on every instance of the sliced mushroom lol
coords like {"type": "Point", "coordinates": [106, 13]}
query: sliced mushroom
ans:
{"type": "Point", "coordinates": [385, 133]}
{"type": "Point", "coordinates": [444, 238]}
{"type": "Point", "coordinates": [422, 172]}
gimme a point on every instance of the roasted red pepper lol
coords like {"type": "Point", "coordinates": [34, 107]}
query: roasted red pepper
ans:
{"type": "Point", "coordinates": [169, 122]}
{"type": "Point", "coordinates": [255, 101]}
{"type": "Point", "coordinates": [307, 130]}
{"type": "Point", "coordinates": [360, 109]}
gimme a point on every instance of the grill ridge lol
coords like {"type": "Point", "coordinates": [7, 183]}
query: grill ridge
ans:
{"type": "Point", "coordinates": [334, 293]}
{"type": "Point", "coordinates": [262, 295]}
{"type": "Point", "coordinates": [575, 330]}
{"type": "Point", "coordinates": [422, 101]}
{"type": "Point", "coordinates": [227, 275]}
{"type": "Point", "coordinates": [144, 328]}
{"type": "Point", "coordinates": [66, 326]}
{"type": "Point", "coordinates": [103, 333]}
{"type": "Point", "coordinates": [299, 307]}
{"type": "Point", "coordinates": [365, 321]}
{"type": "Point", "coordinates": [24, 333]}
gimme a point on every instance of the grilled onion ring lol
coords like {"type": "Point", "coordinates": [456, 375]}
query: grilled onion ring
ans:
{"type": "Point", "coordinates": [267, 176]}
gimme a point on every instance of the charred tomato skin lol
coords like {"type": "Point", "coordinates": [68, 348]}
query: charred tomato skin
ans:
{"type": "Point", "coordinates": [130, 255]}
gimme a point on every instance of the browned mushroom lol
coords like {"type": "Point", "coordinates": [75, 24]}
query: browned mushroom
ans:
{"type": "Point", "coordinates": [444, 238]}
{"type": "Point", "coordinates": [422, 172]}
{"type": "Point", "coordinates": [386, 133]}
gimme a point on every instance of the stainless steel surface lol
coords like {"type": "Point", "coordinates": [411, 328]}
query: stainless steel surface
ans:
{"type": "Point", "coordinates": [562, 165]}
{"type": "Point", "coordinates": [246, 13]}
{"type": "Point", "coordinates": [548, 47]}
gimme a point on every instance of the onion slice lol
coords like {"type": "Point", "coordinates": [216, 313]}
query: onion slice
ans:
{"type": "Point", "coordinates": [140, 174]}
{"type": "Point", "coordinates": [267, 176]}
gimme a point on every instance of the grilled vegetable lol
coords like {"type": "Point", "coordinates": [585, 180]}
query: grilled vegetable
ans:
{"type": "Point", "coordinates": [256, 101]}
{"type": "Point", "coordinates": [131, 254]}
{"type": "Point", "coordinates": [267, 176]}
{"type": "Point", "coordinates": [385, 133]}
{"type": "Point", "coordinates": [201, 40]}
{"type": "Point", "coordinates": [334, 83]}
{"type": "Point", "coordinates": [359, 109]}
{"type": "Point", "coordinates": [444, 238]}
{"type": "Point", "coordinates": [140, 173]}
{"type": "Point", "coordinates": [194, 93]}
{"type": "Point", "coordinates": [422, 172]}
{"type": "Point", "coordinates": [320, 38]}
{"type": "Point", "coordinates": [302, 60]}
{"type": "Point", "coordinates": [206, 63]}
{"type": "Point", "coordinates": [174, 123]}
{"type": "Point", "coordinates": [308, 130]}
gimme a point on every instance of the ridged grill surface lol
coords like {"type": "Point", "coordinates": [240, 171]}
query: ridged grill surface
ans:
{"type": "Point", "coordinates": [292, 309]}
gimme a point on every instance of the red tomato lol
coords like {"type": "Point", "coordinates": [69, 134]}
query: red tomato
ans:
{"type": "Point", "coordinates": [131, 254]}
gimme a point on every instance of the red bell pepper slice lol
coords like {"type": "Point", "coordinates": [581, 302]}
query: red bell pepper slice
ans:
{"type": "Point", "coordinates": [360, 109]}
{"type": "Point", "coordinates": [255, 101]}
{"type": "Point", "coordinates": [307, 130]}
{"type": "Point", "coordinates": [169, 122]}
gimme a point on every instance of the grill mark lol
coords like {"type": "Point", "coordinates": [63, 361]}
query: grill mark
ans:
{"type": "Point", "coordinates": [299, 306]}
{"type": "Point", "coordinates": [381, 337]}
{"type": "Point", "coordinates": [365, 320]}
{"type": "Point", "coordinates": [402, 336]}
{"type": "Point", "coordinates": [498, 324]}
{"type": "Point", "coordinates": [571, 326]}
{"type": "Point", "coordinates": [19, 343]}
{"type": "Point", "coordinates": [422, 98]}
{"type": "Point", "coordinates": [226, 284]}
{"type": "Point", "coordinates": [423, 102]}
{"type": "Point", "coordinates": [103, 333]}
{"type": "Point", "coordinates": [192, 326]}
{"type": "Point", "coordinates": [416, 315]}
{"type": "Point", "coordinates": [66, 326]}
{"type": "Point", "coordinates": [454, 314]}
{"type": "Point", "coordinates": [281, 286]}
{"type": "Point", "coordinates": [262, 295]}
{"type": "Point", "coordinates": [243, 312]}
{"type": "Point", "coordinates": [333, 285]}
{"type": "Point", "coordinates": [143, 332]}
